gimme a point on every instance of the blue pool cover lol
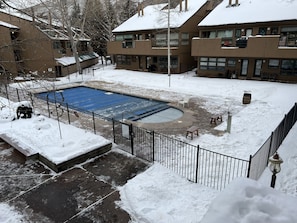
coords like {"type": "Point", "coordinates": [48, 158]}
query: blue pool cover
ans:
{"type": "Point", "coordinates": [105, 104]}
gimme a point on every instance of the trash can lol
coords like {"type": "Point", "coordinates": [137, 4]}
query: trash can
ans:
{"type": "Point", "coordinates": [247, 97]}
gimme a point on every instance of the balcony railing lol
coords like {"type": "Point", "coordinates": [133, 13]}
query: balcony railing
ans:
{"type": "Point", "coordinates": [255, 46]}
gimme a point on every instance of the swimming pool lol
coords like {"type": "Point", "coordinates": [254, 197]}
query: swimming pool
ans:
{"type": "Point", "coordinates": [108, 105]}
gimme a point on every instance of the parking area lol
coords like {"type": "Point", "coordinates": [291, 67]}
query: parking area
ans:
{"type": "Point", "coordinates": [86, 193]}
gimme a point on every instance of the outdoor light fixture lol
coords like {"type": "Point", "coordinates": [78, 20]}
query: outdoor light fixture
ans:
{"type": "Point", "coordinates": [274, 166]}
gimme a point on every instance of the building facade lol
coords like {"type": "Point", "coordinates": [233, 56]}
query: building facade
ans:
{"type": "Point", "coordinates": [32, 46]}
{"type": "Point", "coordinates": [141, 43]}
{"type": "Point", "coordinates": [259, 46]}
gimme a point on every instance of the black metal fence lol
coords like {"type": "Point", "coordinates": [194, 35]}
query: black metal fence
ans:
{"type": "Point", "coordinates": [260, 159]}
{"type": "Point", "coordinates": [193, 162]}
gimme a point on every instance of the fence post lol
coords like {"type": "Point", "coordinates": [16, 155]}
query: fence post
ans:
{"type": "Point", "coordinates": [17, 90]}
{"type": "Point", "coordinates": [6, 91]}
{"type": "Point", "coordinates": [249, 167]}
{"type": "Point", "coordinates": [113, 131]}
{"type": "Point", "coordinates": [284, 127]}
{"type": "Point", "coordinates": [68, 113]}
{"type": "Point", "coordinates": [31, 98]}
{"type": "Point", "coordinates": [270, 147]}
{"type": "Point", "coordinates": [197, 164]}
{"type": "Point", "coordinates": [294, 114]}
{"type": "Point", "coordinates": [93, 114]}
{"type": "Point", "coordinates": [131, 138]}
{"type": "Point", "coordinates": [48, 109]}
{"type": "Point", "coordinates": [153, 139]}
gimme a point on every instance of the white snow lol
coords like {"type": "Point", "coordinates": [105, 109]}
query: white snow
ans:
{"type": "Point", "coordinates": [251, 11]}
{"type": "Point", "coordinates": [159, 195]}
{"type": "Point", "coordinates": [54, 140]}
{"type": "Point", "coordinates": [5, 24]}
{"type": "Point", "coordinates": [154, 17]}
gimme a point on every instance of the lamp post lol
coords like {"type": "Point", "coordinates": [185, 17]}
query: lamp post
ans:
{"type": "Point", "coordinates": [275, 168]}
{"type": "Point", "coordinates": [168, 44]}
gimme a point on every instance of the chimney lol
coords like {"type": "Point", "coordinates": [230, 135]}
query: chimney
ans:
{"type": "Point", "coordinates": [138, 9]}
{"type": "Point", "coordinates": [180, 5]}
{"type": "Point", "coordinates": [186, 5]}
{"type": "Point", "coordinates": [142, 11]}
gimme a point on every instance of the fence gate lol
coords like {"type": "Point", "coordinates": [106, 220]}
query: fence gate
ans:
{"type": "Point", "coordinates": [123, 135]}
{"type": "Point", "coordinates": [134, 140]}
{"type": "Point", "coordinates": [143, 143]}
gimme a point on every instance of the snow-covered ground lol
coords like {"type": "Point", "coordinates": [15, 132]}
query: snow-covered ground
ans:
{"type": "Point", "coordinates": [158, 195]}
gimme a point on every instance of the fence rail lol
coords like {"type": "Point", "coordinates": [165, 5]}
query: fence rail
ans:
{"type": "Point", "coordinates": [260, 159]}
{"type": "Point", "coordinates": [193, 162]}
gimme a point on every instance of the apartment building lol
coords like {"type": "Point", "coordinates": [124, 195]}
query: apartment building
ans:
{"type": "Point", "coordinates": [248, 39]}
{"type": "Point", "coordinates": [141, 43]}
{"type": "Point", "coordinates": [29, 45]}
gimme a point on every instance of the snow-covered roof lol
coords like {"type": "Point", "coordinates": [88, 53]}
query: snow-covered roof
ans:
{"type": "Point", "coordinates": [251, 11]}
{"type": "Point", "coordinates": [154, 17]}
{"type": "Point", "coordinates": [66, 61]}
{"type": "Point", "coordinates": [5, 24]}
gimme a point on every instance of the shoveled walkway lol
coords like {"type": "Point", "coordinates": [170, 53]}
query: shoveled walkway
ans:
{"type": "Point", "coordinates": [85, 193]}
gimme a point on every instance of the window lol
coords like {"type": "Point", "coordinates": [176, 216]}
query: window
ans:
{"type": "Point", "coordinates": [231, 62]}
{"type": "Point", "coordinates": [262, 31]}
{"type": "Point", "coordinates": [212, 34]}
{"type": "Point", "coordinates": [238, 33]}
{"type": "Point", "coordinates": [57, 45]}
{"type": "Point", "coordinates": [212, 63]}
{"type": "Point", "coordinates": [123, 60]}
{"type": "Point", "coordinates": [161, 39]}
{"type": "Point", "coordinates": [185, 39]}
{"type": "Point", "coordinates": [291, 35]}
{"type": "Point", "coordinates": [248, 32]}
{"type": "Point", "coordinates": [174, 39]}
{"type": "Point", "coordinates": [258, 68]}
{"type": "Point", "coordinates": [226, 36]}
{"type": "Point", "coordinates": [221, 63]}
{"type": "Point", "coordinates": [274, 30]}
{"type": "Point", "coordinates": [225, 33]}
{"type": "Point", "coordinates": [208, 34]}
{"type": "Point", "coordinates": [163, 62]}
{"type": "Point", "coordinates": [273, 63]}
{"type": "Point", "coordinates": [138, 36]}
{"type": "Point", "coordinates": [119, 37]}
{"type": "Point", "coordinates": [244, 67]}
{"type": "Point", "coordinates": [289, 67]}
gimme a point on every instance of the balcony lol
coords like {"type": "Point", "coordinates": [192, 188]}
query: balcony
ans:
{"type": "Point", "coordinates": [137, 47]}
{"type": "Point", "coordinates": [256, 46]}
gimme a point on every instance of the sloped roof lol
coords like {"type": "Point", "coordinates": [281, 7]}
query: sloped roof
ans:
{"type": "Point", "coordinates": [251, 11]}
{"type": "Point", "coordinates": [156, 18]}
{"type": "Point", "coordinates": [5, 24]}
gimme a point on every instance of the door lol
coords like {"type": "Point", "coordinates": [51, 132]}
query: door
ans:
{"type": "Point", "coordinates": [258, 68]}
{"type": "Point", "coordinates": [244, 67]}
{"type": "Point", "coordinates": [58, 70]}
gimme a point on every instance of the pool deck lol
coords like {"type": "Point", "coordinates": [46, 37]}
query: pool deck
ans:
{"type": "Point", "coordinates": [194, 114]}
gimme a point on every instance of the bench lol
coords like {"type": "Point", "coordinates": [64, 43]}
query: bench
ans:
{"type": "Point", "coordinates": [213, 120]}
{"type": "Point", "coordinates": [192, 131]}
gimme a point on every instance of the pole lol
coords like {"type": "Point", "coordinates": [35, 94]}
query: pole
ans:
{"type": "Point", "coordinates": [229, 120]}
{"type": "Point", "coordinates": [168, 43]}
{"type": "Point", "coordinates": [273, 179]}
